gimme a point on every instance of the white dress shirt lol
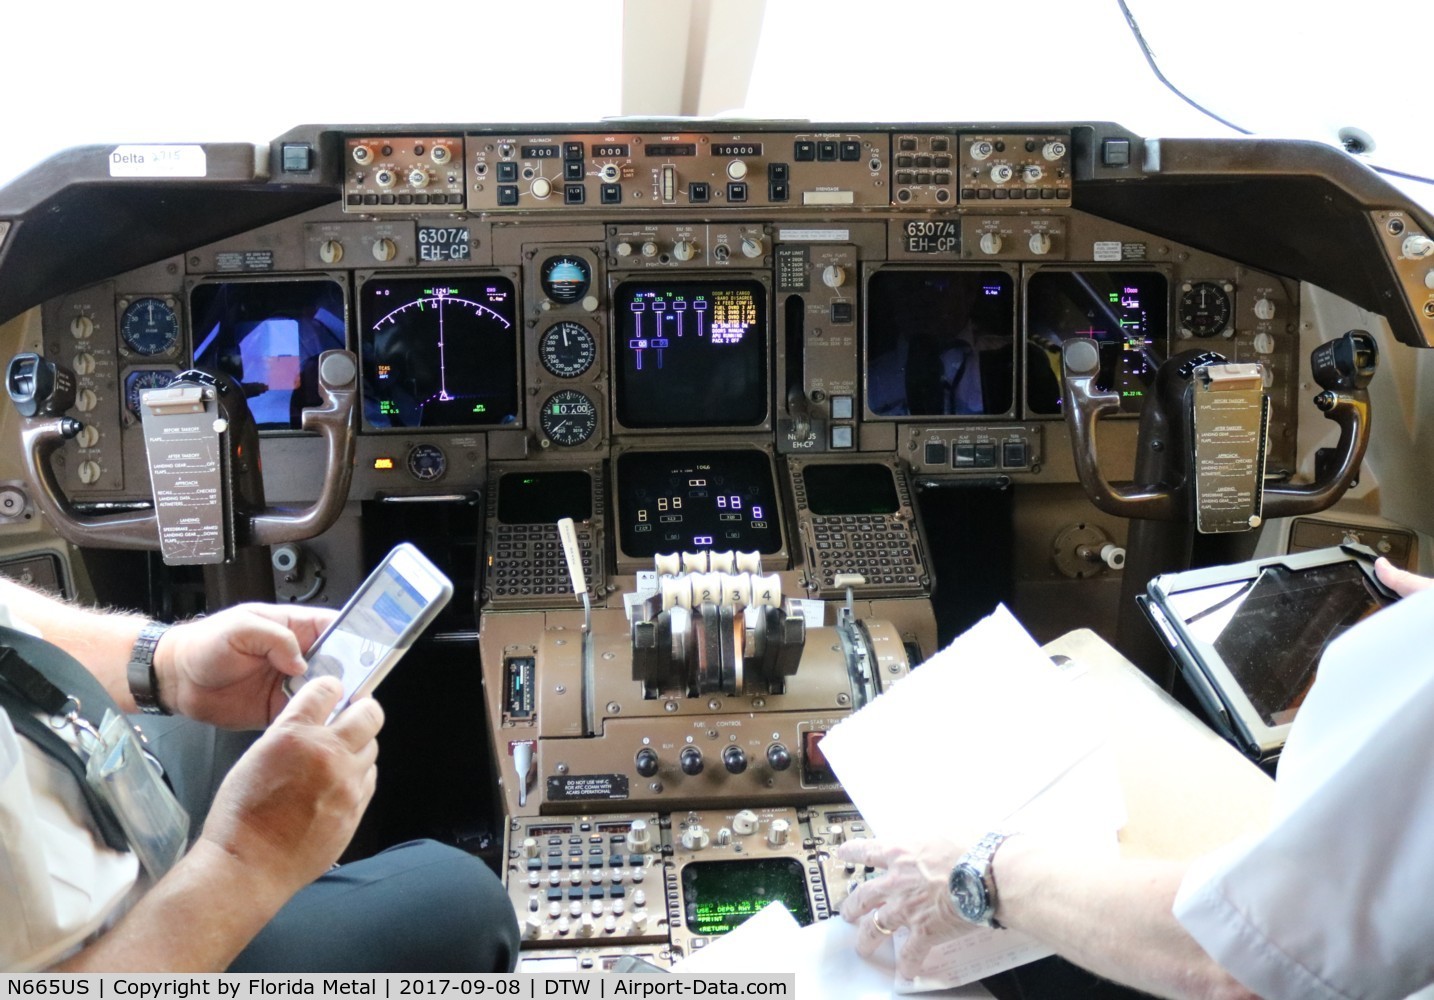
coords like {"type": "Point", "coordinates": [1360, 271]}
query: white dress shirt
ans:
{"type": "Point", "coordinates": [1333, 899]}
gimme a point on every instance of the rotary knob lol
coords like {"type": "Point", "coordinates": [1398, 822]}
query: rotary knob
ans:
{"type": "Point", "coordinates": [1001, 173]}
{"type": "Point", "coordinates": [695, 838]}
{"type": "Point", "coordinates": [751, 246]}
{"type": "Point", "coordinates": [384, 249]}
{"type": "Point", "coordinates": [84, 363]}
{"type": "Point", "coordinates": [81, 327]}
{"type": "Point", "coordinates": [1032, 172]}
{"type": "Point", "coordinates": [624, 249]}
{"type": "Point", "coordinates": [834, 276]}
{"type": "Point", "coordinates": [89, 472]}
{"type": "Point", "coordinates": [86, 400]}
{"type": "Point", "coordinates": [684, 250]}
{"type": "Point", "coordinates": [1264, 343]}
{"type": "Point", "coordinates": [418, 178]}
{"type": "Point", "coordinates": [737, 170]}
{"type": "Point", "coordinates": [1417, 245]}
{"type": "Point", "coordinates": [1264, 308]}
{"type": "Point", "coordinates": [647, 762]}
{"type": "Point", "coordinates": [1053, 150]}
{"type": "Point", "coordinates": [779, 757]}
{"type": "Point", "coordinates": [734, 759]}
{"type": "Point", "coordinates": [777, 833]}
{"type": "Point", "coordinates": [991, 243]}
{"type": "Point", "coordinates": [639, 837]}
{"type": "Point", "coordinates": [1040, 244]}
{"type": "Point", "coordinates": [331, 251]}
{"type": "Point", "coordinates": [530, 847]}
{"type": "Point", "coordinates": [541, 187]}
{"type": "Point", "coordinates": [88, 437]}
{"type": "Point", "coordinates": [690, 760]}
{"type": "Point", "coordinates": [385, 178]}
{"type": "Point", "coordinates": [982, 149]}
{"type": "Point", "coordinates": [744, 824]}
{"type": "Point", "coordinates": [649, 249]}
{"type": "Point", "coordinates": [836, 834]}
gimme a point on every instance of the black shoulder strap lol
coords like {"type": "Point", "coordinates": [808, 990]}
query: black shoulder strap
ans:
{"type": "Point", "coordinates": [70, 676]}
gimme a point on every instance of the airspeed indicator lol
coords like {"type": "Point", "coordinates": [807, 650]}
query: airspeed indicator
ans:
{"type": "Point", "coordinates": [567, 349]}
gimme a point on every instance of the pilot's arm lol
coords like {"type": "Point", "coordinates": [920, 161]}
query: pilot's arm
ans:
{"type": "Point", "coordinates": [227, 669]}
{"type": "Point", "coordinates": [1110, 916]}
{"type": "Point", "coordinates": [280, 820]}
{"type": "Point", "coordinates": [1356, 791]}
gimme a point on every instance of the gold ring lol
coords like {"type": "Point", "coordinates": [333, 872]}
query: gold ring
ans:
{"type": "Point", "coordinates": [883, 931]}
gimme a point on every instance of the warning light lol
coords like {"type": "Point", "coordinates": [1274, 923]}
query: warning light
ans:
{"type": "Point", "coordinates": [383, 463]}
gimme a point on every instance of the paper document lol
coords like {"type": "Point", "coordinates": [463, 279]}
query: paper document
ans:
{"type": "Point", "coordinates": [822, 956]}
{"type": "Point", "coordinates": [986, 734]}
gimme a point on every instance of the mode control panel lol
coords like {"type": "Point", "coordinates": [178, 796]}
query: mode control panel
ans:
{"type": "Point", "coordinates": [678, 169]}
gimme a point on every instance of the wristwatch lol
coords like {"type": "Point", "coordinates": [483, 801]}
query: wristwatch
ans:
{"type": "Point", "coordinates": [143, 681]}
{"type": "Point", "coordinates": [973, 889]}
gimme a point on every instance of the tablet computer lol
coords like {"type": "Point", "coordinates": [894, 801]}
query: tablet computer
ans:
{"type": "Point", "coordinates": [1249, 637]}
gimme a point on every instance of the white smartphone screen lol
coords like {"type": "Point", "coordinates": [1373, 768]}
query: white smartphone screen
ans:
{"type": "Point", "coordinates": [377, 625]}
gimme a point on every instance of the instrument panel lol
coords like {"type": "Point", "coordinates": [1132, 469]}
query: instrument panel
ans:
{"type": "Point", "coordinates": [552, 296]}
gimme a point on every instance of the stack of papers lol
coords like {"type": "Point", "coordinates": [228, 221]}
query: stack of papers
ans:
{"type": "Point", "coordinates": [987, 734]}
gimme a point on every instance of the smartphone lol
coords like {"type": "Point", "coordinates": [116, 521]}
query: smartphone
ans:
{"type": "Point", "coordinates": [377, 626]}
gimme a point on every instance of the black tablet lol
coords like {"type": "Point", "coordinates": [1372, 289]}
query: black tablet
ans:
{"type": "Point", "coordinates": [1249, 637]}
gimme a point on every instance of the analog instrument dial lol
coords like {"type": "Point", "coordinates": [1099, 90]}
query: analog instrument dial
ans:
{"type": "Point", "coordinates": [150, 326]}
{"type": "Point", "coordinates": [1204, 309]}
{"type": "Point", "coordinates": [141, 379]}
{"type": "Point", "coordinates": [566, 279]}
{"type": "Point", "coordinates": [567, 349]}
{"type": "Point", "coordinates": [426, 462]}
{"type": "Point", "coordinates": [568, 418]}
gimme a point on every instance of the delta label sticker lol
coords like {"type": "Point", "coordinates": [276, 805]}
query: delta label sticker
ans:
{"type": "Point", "coordinates": [158, 161]}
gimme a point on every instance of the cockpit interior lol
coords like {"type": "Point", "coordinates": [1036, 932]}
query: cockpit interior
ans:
{"type": "Point", "coordinates": [815, 395]}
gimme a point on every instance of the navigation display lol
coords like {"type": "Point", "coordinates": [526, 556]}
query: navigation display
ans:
{"type": "Point", "coordinates": [691, 353]}
{"type": "Point", "coordinates": [438, 352]}
{"type": "Point", "coordinates": [940, 342]}
{"type": "Point", "coordinates": [688, 501]}
{"type": "Point", "coordinates": [1125, 311]}
{"type": "Point", "coordinates": [268, 335]}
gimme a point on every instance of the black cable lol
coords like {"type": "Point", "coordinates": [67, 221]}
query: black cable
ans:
{"type": "Point", "coordinates": [1150, 58]}
{"type": "Point", "coordinates": [1155, 68]}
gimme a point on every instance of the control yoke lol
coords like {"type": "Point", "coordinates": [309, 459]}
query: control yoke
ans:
{"type": "Point", "coordinates": [1201, 445]}
{"type": "Point", "coordinates": [203, 510]}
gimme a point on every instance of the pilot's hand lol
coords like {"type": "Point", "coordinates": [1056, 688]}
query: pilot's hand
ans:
{"type": "Point", "coordinates": [229, 668]}
{"type": "Point", "coordinates": [1401, 581]}
{"type": "Point", "coordinates": [290, 805]}
{"type": "Point", "coordinates": [912, 893]}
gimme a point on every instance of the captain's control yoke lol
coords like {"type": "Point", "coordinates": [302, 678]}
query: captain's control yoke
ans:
{"type": "Point", "coordinates": [203, 448]}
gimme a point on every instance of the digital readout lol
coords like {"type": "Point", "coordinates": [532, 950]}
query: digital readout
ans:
{"type": "Point", "coordinates": [736, 149]}
{"type": "Point", "coordinates": [672, 149]}
{"type": "Point", "coordinates": [540, 152]}
{"type": "Point", "coordinates": [609, 151]}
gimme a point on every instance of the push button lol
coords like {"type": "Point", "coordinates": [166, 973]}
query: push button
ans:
{"type": "Point", "coordinates": [1013, 455]}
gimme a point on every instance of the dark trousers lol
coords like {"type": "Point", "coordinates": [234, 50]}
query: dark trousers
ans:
{"type": "Point", "coordinates": [417, 907]}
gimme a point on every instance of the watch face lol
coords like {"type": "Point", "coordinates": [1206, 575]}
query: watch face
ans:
{"type": "Point", "coordinates": [968, 892]}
